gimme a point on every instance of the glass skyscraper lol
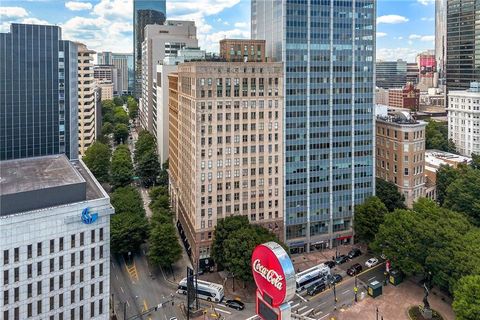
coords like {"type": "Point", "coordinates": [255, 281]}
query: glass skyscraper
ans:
{"type": "Point", "coordinates": [391, 74]}
{"type": "Point", "coordinates": [38, 93]}
{"type": "Point", "coordinates": [144, 12]}
{"type": "Point", "coordinates": [328, 50]}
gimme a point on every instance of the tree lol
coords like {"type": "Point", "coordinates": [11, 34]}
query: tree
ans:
{"type": "Point", "coordinates": [368, 218]}
{"type": "Point", "coordinates": [120, 134]}
{"type": "Point", "coordinates": [132, 106]}
{"type": "Point", "coordinates": [118, 101]}
{"type": "Point", "coordinates": [128, 232]}
{"type": "Point", "coordinates": [127, 199]}
{"type": "Point", "coordinates": [238, 248]}
{"type": "Point", "coordinates": [222, 230]}
{"type": "Point", "coordinates": [107, 111]}
{"type": "Point", "coordinates": [436, 137]}
{"type": "Point", "coordinates": [145, 142]}
{"type": "Point", "coordinates": [120, 116]}
{"type": "Point", "coordinates": [445, 176]}
{"type": "Point", "coordinates": [148, 168]}
{"type": "Point", "coordinates": [107, 129]}
{"type": "Point", "coordinates": [466, 302]}
{"type": "Point", "coordinates": [164, 249]}
{"type": "Point", "coordinates": [475, 164]}
{"type": "Point", "coordinates": [97, 159]}
{"type": "Point", "coordinates": [163, 175]}
{"type": "Point", "coordinates": [463, 194]}
{"type": "Point", "coordinates": [388, 193]}
{"type": "Point", "coordinates": [121, 172]}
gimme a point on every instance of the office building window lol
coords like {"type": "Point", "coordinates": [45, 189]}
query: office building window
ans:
{"type": "Point", "coordinates": [39, 249]}
{"type": "Point", "coordinates": [5, 257]}
{"type": "Point", "coordinates": [29, 251]}
{"type": "Point", "coordinates": [16, 254]}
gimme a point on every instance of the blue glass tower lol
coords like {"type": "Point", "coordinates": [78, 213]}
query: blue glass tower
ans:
{"type": "Point", "coordinates": [144, 12]}
{"type": "Point", "coordinates": [328, 50]}
{"type": "Point", "coordinates": [38, 93]}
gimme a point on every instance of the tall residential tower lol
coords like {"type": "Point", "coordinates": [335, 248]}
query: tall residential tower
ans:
{"type": "Point", "coordinates": [328, 50]}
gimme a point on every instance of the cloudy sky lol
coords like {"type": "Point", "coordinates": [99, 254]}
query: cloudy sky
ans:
{"type": "Point", "coordinates": [404, 27]}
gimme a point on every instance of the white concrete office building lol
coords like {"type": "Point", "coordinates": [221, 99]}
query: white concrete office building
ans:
{"type": "Point", "coordinates": [54, 240]}
{"type": "Point", "coordinates": [464, 119]}
{"type": "Point", "coordinates": [160, 41]}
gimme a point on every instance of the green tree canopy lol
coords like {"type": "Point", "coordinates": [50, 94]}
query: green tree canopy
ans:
{"type": "Point", "coordinates": [445, 176]}
{"type": "Point", "coordinates": [436, 137]}
{"type": "Point", "coordinates": [164, 249]}
{"type": "Point", "coordinates": [127, 199]}
{"type": "Point", "coordinates": [163, 175]}
{"type": "Point", "coordinates": [463, 194]}
{"type": "Point", "coordinates": [368, 218]}
{"type": "Point", "coordinates": [120, 116]}
{"type": "Point", "coordinates": [120, 133]}
{"type": "Point", "coordinates": [118, 101]}
{"type": "Point", "coordinates": [108, 111]}
{"type": "Point", "coordinates": [107, 128]}
{"type": "Point", "coordinates": [388, 193]}
{"type": "Point", "coordinates": [97, 159]}
{"type": "Point", "coordinates": [145, 143]}
{"type": "Point", "coordinates": [475, 164]}
{"type": "Point", "coordinates": [132, 106]}
{"type": "Point", "coordinates": [466, 302]}
{"type": "Point", "coordinates": [121, 170]}
{"type": "Point", "coordinates": [148, 168]}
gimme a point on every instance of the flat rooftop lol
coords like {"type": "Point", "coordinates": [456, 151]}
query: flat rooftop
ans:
{"type": "Point", "coordinates": [41, 182]}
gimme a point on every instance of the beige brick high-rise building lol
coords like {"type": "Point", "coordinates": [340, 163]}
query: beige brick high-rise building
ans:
{"type": "Point", "coordinates": [225, 140]}
{"type": "Point", "coordinates": [400, 154]}
{"type": "Point", "coordinates": [86, 99]}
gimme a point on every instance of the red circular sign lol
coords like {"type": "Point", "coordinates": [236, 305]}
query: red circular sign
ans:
{"type": "Point", "coordinates": [269, 274]}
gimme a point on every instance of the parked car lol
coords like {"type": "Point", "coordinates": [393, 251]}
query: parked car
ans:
{"type": "Point", "coordinates": [341, 259]}
{"type": "Point", "coordinates": [336, 278]}
{"type": "Point", "coordinates": [313, 290]}
{"type": "Point", "coordinates": [235, 304]}
{"type": "Point", "coordinates": [355, 252]}
{"type": "Point", "coordinates": [331, 264]}
{"type": "Point", "coordinates": [371, 262]}
{"type": "Point", "coordinates": [354, 269]}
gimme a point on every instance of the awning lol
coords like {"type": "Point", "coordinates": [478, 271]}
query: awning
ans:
{"type": "Point", "coordinates": [344, 237]}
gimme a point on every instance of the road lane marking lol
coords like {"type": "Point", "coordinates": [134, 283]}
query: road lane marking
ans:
{"type": "Point", "coordinates": [294, 306]}
{"type": "Point", "coordinates": [251, 318]}
{"type": "Point", "coordinates": [322, 303]}
{"type": "Point", "coordinates": [303, 299]}
{"type": "Point", "coordinates": [128, 304]}
{"type": "Point", "coordinates": [346, 291]}
{"type": "Point", "coordinates": [307, 312]}
{"type": "Point", "coordinates": [122, 290]}
{"type": "Point", "coordinates": [145, 306]}
{"type": "Point", "coordinates": [224, 311]}
{"type": "Point", "coordinates": [372, 278]}
{"type": "Point", "coordinates": [324, 316]}
{"type": "Point", "coordinates": [302, 308]}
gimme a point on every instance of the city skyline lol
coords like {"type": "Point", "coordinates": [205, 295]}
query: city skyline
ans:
{"type": "Point", "coordinates": [106, 25]}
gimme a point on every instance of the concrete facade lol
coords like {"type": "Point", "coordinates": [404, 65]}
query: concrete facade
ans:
{"type": "Point", "coordinates": [87, 129]}
{"type": "Point", "coordinates": [400, 154]}
{"type": "Point", "coordinates": [242, 50]}
{"type": "Point", "coordinates": [160, 41]}
{"type": "Point", "coordinates": [228, 144]}
{"type": "Point", "coordinates": [464, 119]}
{"type": "Point", "coordinates": [53, 264]}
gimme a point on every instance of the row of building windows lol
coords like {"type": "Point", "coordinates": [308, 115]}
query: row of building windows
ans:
{"type": "Point", "coordinates": [55, 245]}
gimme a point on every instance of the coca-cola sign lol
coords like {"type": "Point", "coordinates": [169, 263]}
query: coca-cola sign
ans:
{"type": "Point", "coordinates": [273, 272]}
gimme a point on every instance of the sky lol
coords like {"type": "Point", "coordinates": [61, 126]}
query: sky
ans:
{"type": "Point", "coordinates": [404, 27]}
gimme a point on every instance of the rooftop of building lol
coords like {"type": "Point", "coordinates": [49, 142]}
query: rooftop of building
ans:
{"type": "Point", "coordinates": [399, 116]}
{"type": "Point", "coordinates": [41, 182]}
{"type": "Point", "coordinates": [434, 158]}
{"type": "Point", "coordinates": [473, 90]}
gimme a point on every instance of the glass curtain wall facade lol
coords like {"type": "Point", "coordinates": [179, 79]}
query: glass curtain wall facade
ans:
{"type": "Point", "coordinates": [391, 74]}
{"type": "Point", "coordinates": [463, 43]}
{"type": "Point", "coordinates": [440, 36]}
{"type": "Point", "coordinates": [38, 93]}
{"type": "Point", "coordinates": [144, 12]}
{"type": "Point", "coordinates": [328, 50]}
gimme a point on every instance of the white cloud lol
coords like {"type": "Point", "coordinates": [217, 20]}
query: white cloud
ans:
{"type": "Point", "coordinates": [12, 12]}
{"type": "Point", "coordinates": [421, 38]}
{"type": "Point", "coordinates": [241, 24]}
{"type": "Point", "coordinates": [212, 39]}
{"type": "Point", "coordinates": [426, 2]}
{"type": "Point", "coordinates": [381, 34]}
{"type": "Point", "coordinates": [388, 54]}
{"type": "Point", "coordinates": [77, 6]}
{"type": "Point", "coordinates": [114, 9]}
{"type": "Point", "coordinates": [35, 21]}
{"type": "Point", "coordinates": [392, 19]}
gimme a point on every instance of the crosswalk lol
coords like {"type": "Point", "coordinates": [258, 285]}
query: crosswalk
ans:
{"type": "Point", "coordinates": [132, 272]}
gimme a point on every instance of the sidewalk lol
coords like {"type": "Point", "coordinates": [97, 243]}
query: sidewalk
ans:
{"type": "Point", "coordinates": [394, 303]}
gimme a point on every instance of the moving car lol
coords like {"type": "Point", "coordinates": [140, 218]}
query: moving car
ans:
{"type": "Point", "coordinates": [316, 289]}
{"type": "Point", "coordinates": [371, 262]}
{"type": "Point", "coordinates": [330, 264]}
{"type": "Point", "coordinates": [336, 278]}
{"type": "Point", "coordinates": [341, 259]}
{"type": "Point", "coordinates": [354, 269]}
{"type": "Point", "coordinates": [235, 304]}
{"type": "Point", "coordinates": [355, 252]}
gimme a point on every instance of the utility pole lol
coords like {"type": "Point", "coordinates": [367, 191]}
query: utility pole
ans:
{"type": "Point", "coordinates": [113, 304]}
{"type": "Point", "coordinates": [125, 311]}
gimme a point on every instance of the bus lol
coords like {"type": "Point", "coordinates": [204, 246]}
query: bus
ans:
{"type": "Point", "coordinates": [206, 290]}
{"type": "Point", "coordinates": [312, 276]}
